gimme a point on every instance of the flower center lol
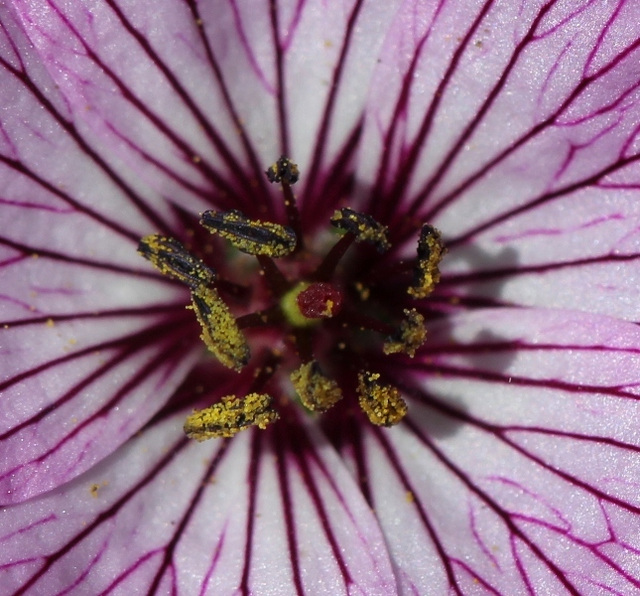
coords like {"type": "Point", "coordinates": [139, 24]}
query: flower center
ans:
{"type": "Point", "coordinates": [319, 307]}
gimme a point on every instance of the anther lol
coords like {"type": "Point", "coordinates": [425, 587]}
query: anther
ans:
{"type": "Point", "coordinates": [426, 273]}
{"type": "Point", "coordinates": [317, 392]}
{"type": "Point", "coordinates": [409, 337]}
{"type": "Point", "coordinates": [219, 329]}
{"type": "Point", "coordinates": [284, 170]}
{"type": "Point", "coordinates": [382, 403]}
{"type": "Point", "coordinates": [362, 226]}
{"type": "Point", "coordinates": [253, 237]}
{"type": "Point", "coordinates": [229, 416]}
{"type": "Point", "coordinates": [171, 258]}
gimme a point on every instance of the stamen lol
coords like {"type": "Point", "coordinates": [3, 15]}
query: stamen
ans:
{"type": "Point", "coordinates": [362, 226]}
{"type": "Point", "coordinates": [328, 266]}
{"type": "Point", "coordinates": [426, 273]}
{"type": "Point", "coordinates": [287, 174]}
{"type": "Point", "coordinates": [317, 392]}
{"type": "Point", "coordinates": [229, 416]}
{"type": "Point", "coordinates": [171, 258]}
{"type": "Point", "coordinates": [382, 404]}
{"type": "Point", "coordinates": [253, 237]}
{"type": "Point", "coordinates": [219, 330]}
{"type": "Point", "coordinates": [409, 337]}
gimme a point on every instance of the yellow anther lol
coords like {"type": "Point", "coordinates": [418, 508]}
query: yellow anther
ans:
{"type": "Point", "coordinates": [219, 329]}
{"type": "Point", "coordinates": [284, 170]}
{"type": "Point", "coordinates": [426, 273]}
{"type": "Point", "coordinates": [171, 258]}
{"type": "Point", "coordinates": [317, 392]}
{"type": "Point", "coordinates": [362, 226]}
{"type": "Point", "coordinates": [382, 404]}
{"type": "Point", "coordinates": [229, 416]}
{"type": "Point", "coordinates": [253, 237]}
{"type": "Point", "coordinates": [410, 336]}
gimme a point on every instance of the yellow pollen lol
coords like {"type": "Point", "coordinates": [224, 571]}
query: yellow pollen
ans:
{"type": "Point", "coordinates": [362, 226]}
{"type": "Point", "coordinates": [382, 404]}
{"type": "Point", "coordinates": [317, 392]}
{"type": "Point", "coordinates": [219, 330]}
{"type": "Point", "coordinates": [410, 336]}
{"type": "Point", "coordinates": [229, 416]}
{"type": "Point", "coordinates": [426, 273]}
{"type": "Point", "coordinates": [253, 237]}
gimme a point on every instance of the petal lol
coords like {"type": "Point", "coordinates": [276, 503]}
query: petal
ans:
{"type": "Point", "coordinates": [515, 131]}
{"type": "Point", "coordinates": [517, 469]}
{"type": "Point", "coordinates": [85, 360]}
{"type": "Point", "coordinates": [265, 512]}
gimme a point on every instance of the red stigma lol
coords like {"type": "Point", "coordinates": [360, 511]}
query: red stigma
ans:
{"type": "Point", "coordinates": [320, 300]}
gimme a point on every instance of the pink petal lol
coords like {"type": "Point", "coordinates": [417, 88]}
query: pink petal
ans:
{"type": "Point", "coordinates": [517, 469]}
{"type": "Point", "coordinates": [84, 360]}
{"type": "Point", "coordinates": [514, 129]}
{"type": "Point", "coordinates": [165, 514]}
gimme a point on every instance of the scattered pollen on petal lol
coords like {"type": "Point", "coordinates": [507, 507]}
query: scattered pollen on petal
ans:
{"type": "Point", "coordinates": [410, 336]}
{"type": "Point", "coordinates": [317, 392]}
{"type": "Point", "coordinates": [426, 273]}
{"type": "Point", "coordinates": [229, 416]}
{"type": "Point", "coordinates": [253, 237]}
{"type": "Point", "coordinates": [284, 170]}
{"type": "Point", "coordinates": [362, 226]}
{"type": "Point", "coordinates": [382, 403]}
{"type": "Point", "coordinates": [171, 258]}
{"type": "Point", "coordinates": [219, 329]}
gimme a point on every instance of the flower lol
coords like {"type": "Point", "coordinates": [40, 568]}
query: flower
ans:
{"type": "Point", "coordinates": [512, 127]}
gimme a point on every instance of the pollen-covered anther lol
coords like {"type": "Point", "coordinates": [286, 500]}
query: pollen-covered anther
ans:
{"type": "Point", "coordinates": [409, 337]}
{"type": "Point", "coordinates": [426, 273]}
{"type": "Point", "coordinates": [253, 237]}
{"type": "Point", "coordinates": [172, 259]}
{"type": "Point", "coordinates": [229, 416]}
{"type": "Point", "coordinates": [317, 392]}
{"type": "Point", "coordinates": [362, 226]}
{"type": "Point", "coordinates": [219, 329]}
{"type": "Point", "coordinates": [382, 403]}
{"type": "Point", "coordinates": [284, 170]}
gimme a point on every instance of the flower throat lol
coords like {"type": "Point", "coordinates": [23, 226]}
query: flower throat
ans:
{"type": "Point", "coordinates": [317, 311]}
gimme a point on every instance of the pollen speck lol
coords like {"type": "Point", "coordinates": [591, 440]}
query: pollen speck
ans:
{"type": "Point", "coordinates": [49, 323]}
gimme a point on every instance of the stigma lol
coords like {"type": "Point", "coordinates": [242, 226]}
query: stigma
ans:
{"type": "Point", "coordinates": [335, 334]}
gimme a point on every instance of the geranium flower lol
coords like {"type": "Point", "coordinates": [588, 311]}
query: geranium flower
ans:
{"type": "Point", "coordinates": [511, 127]}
